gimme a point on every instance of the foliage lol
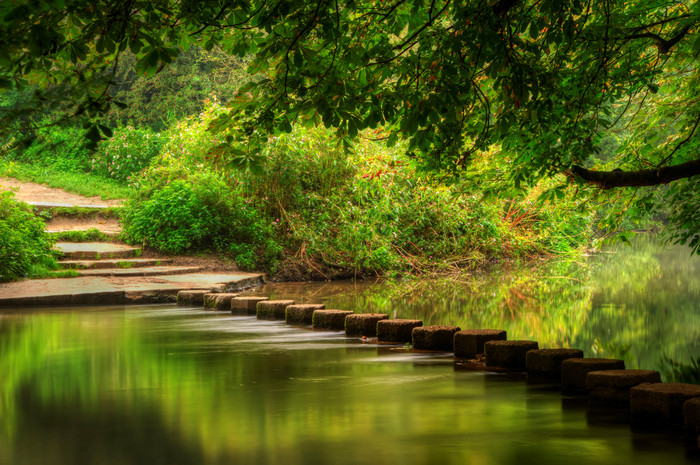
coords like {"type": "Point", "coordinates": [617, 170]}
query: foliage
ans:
{"type": "Point", "coordinates": [340, 214]}
{"type": "Point", "coordinates": [548, 82]}
{"type": "Point", "coordinates": [25, 248]}
{"type": "Point", "coordinates": [127, 152]}
{"type": "Point", "coordinates": [200, 213]}
{"type": "Point", "coordinates": [60, 147]}
{"type": "Point", "coordinates": [182, 89]}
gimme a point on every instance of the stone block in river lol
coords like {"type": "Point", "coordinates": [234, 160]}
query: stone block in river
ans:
{"type": "Point", "coordinates": [363, 324]}
{"type": "Point", "coordinates": [301, 314]}
{"type": "Point", "coordinates": [396, 330]}
{"type": "Point", "coordinates": [218, 301]}
{"type": "Point", "coordinates": [613, 386]}
{"type": "Point", "coordinates": [691, 416]}
{"type": "Point", "coordinates": [434, 337]}
{"type": "Point", "coordinates": [246, 305]}
{"type": "Point", "coordinates": [508, 354]}
{"type": "Point", "coordinates": [575, 370]}
{"type": "Point", "coordinates": [469, 343]}
{"type": "Point", "coordinates": [330, 319]}
{"type": "Point", "coordinates": [191, 298]}
{"type": "Point", "coordinates": [660, 405]}
{"type": "Point", "coordinates": [546, 363]}
{"type": "Point", "coordinates": [272, 309]}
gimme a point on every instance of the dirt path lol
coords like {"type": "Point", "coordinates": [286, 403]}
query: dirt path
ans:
{"type": "Point", "coordinates": [32, 192]}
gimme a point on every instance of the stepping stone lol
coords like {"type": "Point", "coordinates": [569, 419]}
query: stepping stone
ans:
{"type": "Point", "coordinates": [301, 314]}
{"type": "Point", "coordinates": [469, 343]}
{"type": "Point", "coordinates": [272, 309]}
{"type": "Point", "coordinates": [218, 301]}
{"type": "Point", "coordinates": [329, 319]}
{"type": "Point", "coordinates": [246, 305]}
{"type": "Point", "coordinates": [146, 271]}
{"type": "Point", "coordinates": [660, 405]}
{"type": "Point", "coordinates": [95, 250]}
{"type": "Point", "coordinates": [546, 363]}
{"type": "Point", "coordinates": [691, 416]}
{"type": "Point", "coordinates": [125, 263]}
{"type": "Point", "coordinates": [363, 324]}
{"type": "Point", "coordinates": [191, 298]}
{"type": "Point", "coordinates": [575, 370]}
{"type": "Point", "coordinates": [508, 354]}
{"type": "Point", "coordinates": [400, 331]}
{"type": "Point", "coordinates": [613, 386]}
{"type": "Point", "coordinates": [434, 338]}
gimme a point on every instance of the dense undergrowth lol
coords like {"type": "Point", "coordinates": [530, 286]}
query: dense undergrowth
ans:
{"type": "Point", "coordinates": [25, 248]}
{"type": "Point", "coordinates": [315, 211]}
{"type": "Point", "coordinates": [311, 210]}
{"type": "Point", "coordinates": [303, 207]}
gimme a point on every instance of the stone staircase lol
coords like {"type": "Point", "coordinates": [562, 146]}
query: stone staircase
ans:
{"type": "Point", "coordinates": [111, 272]}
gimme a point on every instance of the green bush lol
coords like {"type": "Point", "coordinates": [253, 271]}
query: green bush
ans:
{"type": "Point", "coordinates": [61, 147]}
{"type": "Point", "coordinates": [127, 152]}
{"type": "Point", "coordinates": [201, 213]}
{"type": "Point", "coordinates": [25, 247]}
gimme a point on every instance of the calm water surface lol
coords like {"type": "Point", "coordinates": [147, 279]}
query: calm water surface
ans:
{"type": "Point", "coordinates": [167, 385]}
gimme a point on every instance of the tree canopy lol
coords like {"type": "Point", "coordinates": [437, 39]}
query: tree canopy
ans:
{"type": "Point", "coordinates": [602, 91]}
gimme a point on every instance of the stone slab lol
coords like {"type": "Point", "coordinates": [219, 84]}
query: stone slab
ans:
{"type": "Point", "coordinates": [434, 337]}
{"type": "Point", "coordinates": [94, 250]}
{"type": "Point", "coordinates": [330, 319]}
{"type": "Point", "coordinates": [363, 324]}
{"type": "Point", "coordinates": [246, 305]}
{"type": "Point", "coordinates": [220, 301]}
{"type": "Point", "coordinates": [272, 309]}
{"type": "Point", "coordinates": [398, 331]}
{"type": "Point", "coordinates": [301, 314]}
{"type": "Point", "coordinates": [613, 386]}
{"type": "Point", "coordinates": [141, 271]}
{"type": "Point", "coordinates": [508, 354]}
{"type": "Point", "coordinates": [546, 363]}
{"type": "Point", "coordinates": [469, 343]}
{"type": "Point", "coordinates": [118, 290]}
{"type": "Point", "coordinates": [191, 298]}
{"type": "Point", "coordinates": [660, 405]}
{"type": "Point", "coordinates": [691, 416]}
{"type": "Point", "coordinates": [575, 370]}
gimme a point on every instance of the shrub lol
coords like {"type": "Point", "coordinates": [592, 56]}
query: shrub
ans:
{"type": "Point", "coordinates": [201, 213]}
{"type": "Point", "coordinates": [127, 152]}
{"type": "Point", "coordinates": [25, 247]}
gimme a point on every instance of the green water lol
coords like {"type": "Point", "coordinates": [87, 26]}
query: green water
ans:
{"type": "Point", "coordinates": [167, 385]}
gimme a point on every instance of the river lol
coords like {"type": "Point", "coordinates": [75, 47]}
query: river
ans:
{"type": "Point", "coordinates": [168, 385]}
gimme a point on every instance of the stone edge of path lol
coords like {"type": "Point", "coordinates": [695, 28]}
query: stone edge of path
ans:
{"type": "Point", "coordinates": [157, 293]}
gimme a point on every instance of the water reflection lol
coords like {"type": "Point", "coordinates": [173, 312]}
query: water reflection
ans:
{"type": "Point", "coordinates": [637, 303]}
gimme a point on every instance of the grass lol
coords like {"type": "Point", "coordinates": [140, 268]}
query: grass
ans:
{"type": "Point", "coordinates": [78, 183]}
{"type": "Point", "coordinates": [90, 235]}
{"type": "Point", "coordinates": [77, 212]}
{"type": "Point", "coordinates": [125, 265]}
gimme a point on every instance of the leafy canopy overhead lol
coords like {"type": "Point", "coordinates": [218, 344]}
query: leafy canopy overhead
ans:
{"type": "Point", "coordinates": [604, 91]}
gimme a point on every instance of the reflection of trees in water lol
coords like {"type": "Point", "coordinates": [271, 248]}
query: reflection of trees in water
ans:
{"type": "Point", "coordinates": [638, 303]}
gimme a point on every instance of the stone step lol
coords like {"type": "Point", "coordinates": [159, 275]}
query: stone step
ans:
{"type": "Point", "coordinates": [143, 271]}
{"type": "Point", "coordinates": [108, 290]}
{"type": "Point", "coordinates": [124, 263]}
{"type": "Point", "coordinates": [96, 250]}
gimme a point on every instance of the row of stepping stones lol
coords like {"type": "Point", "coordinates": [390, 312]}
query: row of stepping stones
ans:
{"type": "Point", "coordinates": [605, 381]}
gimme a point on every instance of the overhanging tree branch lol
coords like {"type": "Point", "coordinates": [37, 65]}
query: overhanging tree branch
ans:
{"type": "Point", "coordinates": [651, 177]}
